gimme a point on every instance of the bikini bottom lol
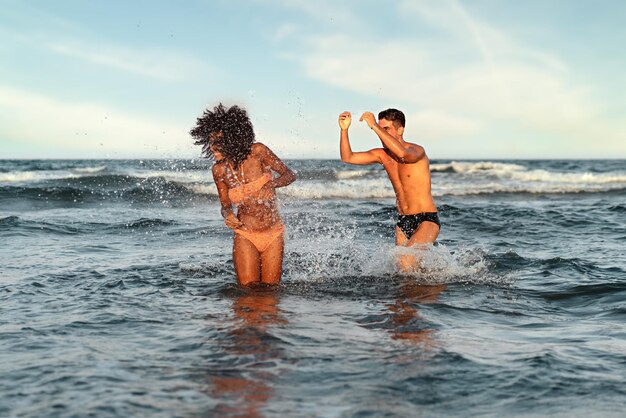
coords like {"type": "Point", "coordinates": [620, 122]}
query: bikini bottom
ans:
{"type": "Point", "coordinates": [262, 239]}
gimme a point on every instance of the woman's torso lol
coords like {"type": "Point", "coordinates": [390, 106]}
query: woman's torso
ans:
{"type": "Point", "coordinates": [244, 184]}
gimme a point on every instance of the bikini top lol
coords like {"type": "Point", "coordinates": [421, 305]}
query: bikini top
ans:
{"type": "Point", "coordinates": [239, 193]}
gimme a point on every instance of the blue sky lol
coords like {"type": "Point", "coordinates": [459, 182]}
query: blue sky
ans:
{"type": "Point", "coordinates": [476, 79]}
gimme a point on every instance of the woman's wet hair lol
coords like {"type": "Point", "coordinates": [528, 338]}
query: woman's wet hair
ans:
{"type": "Point", "coordinates": [237, 133]}
{"type": "Point", "coordinates": [393, 115]}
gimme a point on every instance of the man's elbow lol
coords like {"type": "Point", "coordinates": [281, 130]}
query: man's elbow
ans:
{"type": "Point", "coordinates": [404, 155]}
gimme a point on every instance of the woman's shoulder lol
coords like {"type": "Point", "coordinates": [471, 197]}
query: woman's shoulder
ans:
{"type": "Point", "coordinates": [259, 148]}
{"type": "Point", "coordinates": [219, 168]}
{"type": "Point", "coordinates": [262, 151]}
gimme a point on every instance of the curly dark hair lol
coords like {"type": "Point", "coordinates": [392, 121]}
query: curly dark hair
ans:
{"type": "Point", "coordinates": [236, 129]}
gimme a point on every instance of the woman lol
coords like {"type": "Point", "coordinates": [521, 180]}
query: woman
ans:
{"type": "Point", "coordinates": [243, 175]}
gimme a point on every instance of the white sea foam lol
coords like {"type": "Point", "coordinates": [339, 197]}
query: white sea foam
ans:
{"type": "Point", "coordinates": [477, 167]}
{"type": "Point", "coordinates": [576, 178]}
{"type": "Point", "coordinates": [351, 174]}
{"type": "Point", "coordinates": [89, 170]}
{"type": "Point", "coordinates": [342, 189]}
{"type": "Point", "coordinates": [204, 189]}
{"type": "Point", "coordinates": [519, 172]}
{"type": "Point", "coordinates": [195, 176]}
{"type": "Point", "coordinates": [43, 175]}
{"type": "Point", "coordinates": [375, 188]}
{"type": "Point", "coordinates": [381, 189]}
{"type": "Point", "coordinates": [460, 189]}
{"type": "Point", "coordinates": [494, 177]}
{"type": "Point", "coordinates": [35, 176]}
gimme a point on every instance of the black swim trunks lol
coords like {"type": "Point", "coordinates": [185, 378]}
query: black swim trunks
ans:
{"type": "Point", "coordinates": [408, 224]}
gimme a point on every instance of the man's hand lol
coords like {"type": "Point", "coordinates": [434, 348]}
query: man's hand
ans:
{"type": "Point", "coordinates": [344, 121]}
{"type": "Point", "coordinates": [232, 221]}
{"type": "Point", "coordinates": [369, 118]}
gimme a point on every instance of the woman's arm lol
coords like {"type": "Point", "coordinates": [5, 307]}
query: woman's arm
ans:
{"type": "Point", "coordinates": [222, 192]}
{"type": "Point", "coordinates": [286, 176]}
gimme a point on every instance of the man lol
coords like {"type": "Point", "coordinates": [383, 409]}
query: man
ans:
{"type": "Point", "coordinates": [408, 169]}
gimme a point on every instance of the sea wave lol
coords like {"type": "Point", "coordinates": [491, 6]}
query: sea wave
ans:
{"type": "Point", "coordinates": [9, 221]}
{"type": "Point", "coordinates": [20, 226]}
{"type": "Point", "coordinates": [176, 182]}
{"type": "Point", "coordinates": [156, 190]}
{"type": "Point", "coordinates": [343, 175]}
{"type": "Point", "coordinates": [486, 169]}
{"type": "Point", "coordinates": [574, 178]}
{"type": "Point", "coordinates": [159, 189]}
{"type": "Point", "coordinates": [476, 167]}
{"type": "Point", "coordinates": [494, 188]}
{"type": "Point", "coordinates": [381, 189]}
{"type": "Point", "coordinates": [35, 176]}
{"type": "Point", "coordinates": [98, 173]}
{"type": "Point", "coordinates": [187, 176]}
{"type": "Point", "coordinates": [145, 223]}
{"type": "Point", "coordinates": [90, 170]}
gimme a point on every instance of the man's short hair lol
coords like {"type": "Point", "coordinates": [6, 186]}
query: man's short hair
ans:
{"type": "Point", "coordinates": [393, 115]}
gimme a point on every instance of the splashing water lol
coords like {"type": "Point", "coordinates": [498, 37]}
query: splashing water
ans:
{"type": "Point", "coordinates": [334, 252]}
{"type": "Point", "coordinates": [438, 265]}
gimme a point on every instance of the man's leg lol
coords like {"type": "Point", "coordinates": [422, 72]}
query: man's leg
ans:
{"type": "Point", "coordinates": [426, 233]}
{"type": "Point", "coordinates": [401, 239]}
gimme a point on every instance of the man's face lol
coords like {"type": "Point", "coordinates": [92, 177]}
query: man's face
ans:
{"type": "Point", "coordinates": [390, 128]}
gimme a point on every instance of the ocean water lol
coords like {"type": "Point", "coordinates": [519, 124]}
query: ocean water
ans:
{"type": "Point", "coordinates": [118, 297]}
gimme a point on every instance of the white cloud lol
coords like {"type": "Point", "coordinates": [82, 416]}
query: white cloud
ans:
{"type": "Point", "coordinates": [468, 78]}
{"type": "Point", "coordinates": [432, 124]}
{"type": "Point", "coordinates": [287, 145]}
{"type": "Point", "coordinates": [84, 129]}
{"type": "Point", "coordinates": [407, 71]}
{"type": "Point", "coordinates": [284, 31]}
{"type": "Point", "coordinates": [159, 64]}
{"type": "Point", "coordinates": [323, 11]}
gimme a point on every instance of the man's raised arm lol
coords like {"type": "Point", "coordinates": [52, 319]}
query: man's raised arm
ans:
{"type": "Point", "coordinates": [345, 150]}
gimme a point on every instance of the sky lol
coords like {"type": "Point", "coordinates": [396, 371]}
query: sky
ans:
{"type": "Point", "coordinates": [480, 79]}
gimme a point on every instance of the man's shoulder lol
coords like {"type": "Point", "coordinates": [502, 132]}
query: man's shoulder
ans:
{"type": "Point", "coordinates": [413, 145]}
{"type": "Point", "coordinates": [416, 148]}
